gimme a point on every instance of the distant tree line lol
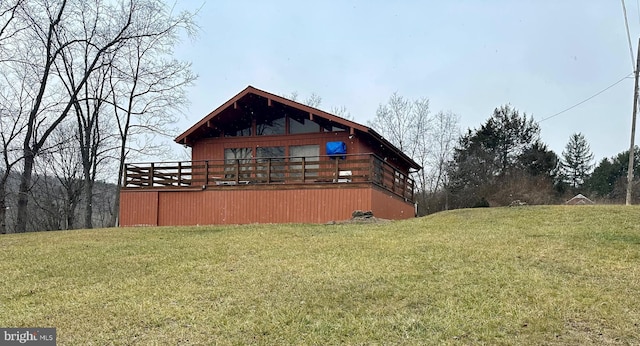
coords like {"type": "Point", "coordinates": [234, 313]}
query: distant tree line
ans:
{"type": "Point", "coordinates": [84, 86]}
{"type": "Point", "coordinates": [503, 162]}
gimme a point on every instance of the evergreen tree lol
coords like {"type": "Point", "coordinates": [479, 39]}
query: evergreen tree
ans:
{"type": "Point", "coordinates": [609, 178]}
{"type": "Point", "coordinates": [576, 161]}
{"type": "Point", "coordinates": [504, 147]}
{"type": "Point", "coordinates": [538, 160]}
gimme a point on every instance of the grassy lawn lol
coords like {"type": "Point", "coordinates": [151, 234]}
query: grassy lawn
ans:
{"type": "Point", "coordinates": [526, 275]}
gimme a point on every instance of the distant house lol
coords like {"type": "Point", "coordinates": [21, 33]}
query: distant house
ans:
{"type": "Point", "coordinates": [261, 158]}
{"type": "Point", "coordinates": [579, 199]}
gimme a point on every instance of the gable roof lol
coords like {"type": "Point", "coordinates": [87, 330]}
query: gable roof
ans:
{"type": "Point", "coordinates": [184, 138]}
{"type": "Point", "coordinates": [579, 199]}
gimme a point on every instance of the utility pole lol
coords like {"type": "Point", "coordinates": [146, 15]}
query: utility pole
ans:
{"type": "Point", "coordinates": [633, 131]}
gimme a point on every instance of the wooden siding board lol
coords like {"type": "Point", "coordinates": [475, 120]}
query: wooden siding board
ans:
{"type": "Point", "coordinates": [138, 208]}
{"type": "Point", "coordinates": [388, 206]}
{"type": "Point", "coordinates": [260, 206]}
{"type": "Point", "coordinates": [243, 206]}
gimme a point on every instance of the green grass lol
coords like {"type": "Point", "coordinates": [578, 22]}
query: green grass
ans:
{"type": "Point", "coordinates": [526, 275]}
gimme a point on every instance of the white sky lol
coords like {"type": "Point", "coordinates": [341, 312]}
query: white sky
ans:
{"type": "Point", "coordinates": [541, 56]}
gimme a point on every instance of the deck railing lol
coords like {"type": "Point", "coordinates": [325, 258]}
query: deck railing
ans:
{"type": "Point", "coordinates": [357, 168]}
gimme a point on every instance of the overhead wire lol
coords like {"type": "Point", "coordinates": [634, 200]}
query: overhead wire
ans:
{"type": "Point", "coordinates": [587, 99]}
{"type": "Point", "coordinates": [633, 67]}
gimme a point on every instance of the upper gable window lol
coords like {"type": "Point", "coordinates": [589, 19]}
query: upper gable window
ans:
{"type": "Point", "coordinates": [270, 127]}
{"type": "Point", "coordinates": [334, 128]}
{"type": "Point", "coordinates": [239, 127]}
{"type": "Point", "coordinates": [302, 125]}
{"type": "Point", "coordinates": [237, 131]}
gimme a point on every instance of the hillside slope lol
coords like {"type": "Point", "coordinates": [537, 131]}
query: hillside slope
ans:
{"type": "Point", "coordinates": [526, 275]}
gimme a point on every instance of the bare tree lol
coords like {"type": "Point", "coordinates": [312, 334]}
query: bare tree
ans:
{"type": "Point", "coordinates": [8, 12]}
{"type": "Point", "coordinates": [11, 105]}
{"type": "Point", "coordinates": [341, 112]}
{"type": "Point", "coordinates": [401, 122]}
{"type": "Point", "coordinates": [405, 123]}
{"type": "Point", "coordinates": [443, 136]}
{"type": "Point", "coordinates": [428, 139]}
{"type": "Point", "coordinates": [61, 184]}
{"type": "Point", "coordinates": [314, 100]}
{"type": "Point", "coordinates": [149, 86]}
{"type": "Point", "coordinates": [11, 127]}
{"type": "Point", "coordinates": [52, 32]}
{"type": "Point", "coordinates": [53, 35]}
{"type": "Point", "coordinates": [89, 107]}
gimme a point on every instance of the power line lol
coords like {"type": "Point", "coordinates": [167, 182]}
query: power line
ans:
{"type": "Point", "coordinates": [587, 99]}
{"type": "Point", "coordinates": [626, 24]}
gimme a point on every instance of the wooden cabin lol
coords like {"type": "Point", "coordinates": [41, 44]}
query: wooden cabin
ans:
{"type": "Point", "coordinates": [261, 158]}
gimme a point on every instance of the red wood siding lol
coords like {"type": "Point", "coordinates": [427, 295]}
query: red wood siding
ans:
{"type": "Point", "coordinates": [388, 206]}
{"type": "Point", "coordinates": [139, 208]}
{"type": "Point", "coordinates": [259, 206]}
{"type": "Point", "coordinates": [243, 206]}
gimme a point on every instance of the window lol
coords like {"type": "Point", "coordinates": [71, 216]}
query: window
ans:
{"type": "Point", "coordinates": [269, 127]}
{"type": "Point", "coordinates": [302, 125]}
{"type": "Point", "coordinates": [310, 153]}
{"type": "Point", "coordinates": [239, 127]}
{"type": "Point", "coordinates": [238, 131]}
{"type": "Point", "coordinates": [270, 152]}
{"type": "Point", "coordinates": [274, 156]}
{"type": "Point", "coordinates": [237, 159]}
{"type": "Point", "coordinates": [333, 128]}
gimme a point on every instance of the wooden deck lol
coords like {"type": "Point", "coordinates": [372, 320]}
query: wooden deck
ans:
{"type": "Point", "coordinates": [278, 172]}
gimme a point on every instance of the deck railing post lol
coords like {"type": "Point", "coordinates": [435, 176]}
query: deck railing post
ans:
{"type": "Point", "coordinates": [404, 185]}
{"type": "Point", "coordinates": [254, 169]}
{"type": "Point", "coordinates": [237, 171]}
{"type": "Point", "coordinates": [412, 192]}
{"type": "Point", "coordinates": [126, 175]}
{"type": "Point", "coordinates": [151, 173]}
{"type": "Point", "coordinates": [180, 173]}
{"type": "Point", "coordinates": [269, 170]}
{"type": "Point", "coordinates": [206, 172]}
{"type": "Point", "coordinates": [304, 169]}
{"type": "Point", "coordinates": [371, 163]}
